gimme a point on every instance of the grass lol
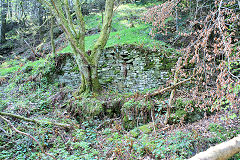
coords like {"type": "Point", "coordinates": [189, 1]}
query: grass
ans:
{"type": "Point", "coordinates": [127, 29]}
{"type": "Point", "coordinates": [15, 65]}
{"type": "Point", "coordinates": [33, 99]}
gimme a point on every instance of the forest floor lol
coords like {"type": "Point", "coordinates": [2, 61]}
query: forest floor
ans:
{"type": "Point", "coordinates": [27, 88]}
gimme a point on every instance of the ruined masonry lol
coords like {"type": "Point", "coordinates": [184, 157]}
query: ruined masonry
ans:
{"type": "Point", "coordinates": [124, 68]}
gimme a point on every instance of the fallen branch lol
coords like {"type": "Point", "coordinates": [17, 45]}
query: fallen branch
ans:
{"type": "Point", "coordinates": [35, 121]}
{"type": "Point", "coordinates": [28, 135]}
{"type": "Point", "coordinates": [172, 92]}
{"type": "Point", "coordinates": [109, 121]}
{"type": "Point", "coordinates": [168, 88]}
{"type": "Point", "coordinates": [221, 151]}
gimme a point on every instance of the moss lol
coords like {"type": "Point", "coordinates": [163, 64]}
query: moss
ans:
{"type": "Point", "coordinates": [86, 107]}
{"type": "Point", "coordinates": [149, 66]}
{"type": "Point", "coordinates": [96, 85]}
{"type": "Point", "coordinates": [104, 65]}
{"type": "Point", "coordinates": [180, 113]}
{"type": "Point", "coordinates": [145, 128]}
{"type": "Point", "coordinates": [135, 133]}
{"type": "Point", "coordinates": [136, 111]}
{"type": "Point", "coordinates": [75, 69]}
{"type": "Point", "coordinates": [116, 72]}
{"type": "Point", "coordinates": [109, 80]}
{"type": "Point", "coordinates": [128, 123]}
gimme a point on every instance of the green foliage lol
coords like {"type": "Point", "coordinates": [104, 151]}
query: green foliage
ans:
{"type": "Point", "coordinates": [222, 134]}
{"type": "Point", "coordinates": [87, 107]}
{"type": "Point", "coordinates": [185, 109]}
{"type": "Point", "coordinates": [34, 97]}
{"type": "Point", "coordinates": [126, 16]}
{"type": "Point", "coordinates": [29, 84]}
{"type": "Point", "coordinates": [136, 112]}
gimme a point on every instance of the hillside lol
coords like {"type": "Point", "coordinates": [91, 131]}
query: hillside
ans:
{"type": "Point", "coordinates": [42, 116]}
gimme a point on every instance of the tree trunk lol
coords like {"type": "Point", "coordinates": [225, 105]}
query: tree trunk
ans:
{"type": "Point", "coordinates": [52, 38]}
{"type": "Point", "coordinates": [40, 21]}
{"type": "Point", "coordinates": [10, 9]}
{"type": "Point", "coordinates": [221, 151]}
{"type": "Point", "coordinates": [87, 61]}
{"type": "Point", "coordinates": [3, 21]}
{"type": "Point", "coordinates": [89, 76]}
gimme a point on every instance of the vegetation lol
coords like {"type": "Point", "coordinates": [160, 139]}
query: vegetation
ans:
{"type": "Point", "coordinates": [43, 116]}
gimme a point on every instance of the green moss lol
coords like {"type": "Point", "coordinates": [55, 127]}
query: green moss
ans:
{"type": "Point", "coordinates": [104, 65]}
{"type": "Point", "coordinates": [145, 128]}
{"type": "Point", "coordinates": [116, 72]}
{"type": "Point", "coordinates": [135, 133]}
{"type": "Point", "coordinates": [109, 80]}
{"type": "Point", "coordinates": [13, 66]}
{"type": "Point", "coordinates": [75, 69]}
{"type": "Point", "coordinates": [128, 122]}
{"type": "Point", "coordinates": [149, 65]}
{"type": "Point", "coordinates": [87, 107]}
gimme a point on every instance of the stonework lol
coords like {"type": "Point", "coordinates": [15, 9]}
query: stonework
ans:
{"type": "Point", "coordinates": [123, 68]}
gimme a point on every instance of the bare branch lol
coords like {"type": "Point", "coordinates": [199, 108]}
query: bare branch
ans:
{"type": "Point", "coordinates": [168, 88]}
{"type": "Point", "coordinates": [28, 135]}
{"type": "Point", "coordinates": [35, 121]}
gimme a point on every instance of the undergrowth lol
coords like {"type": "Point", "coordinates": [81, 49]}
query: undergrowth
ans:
{"type": "Point", "coordinates": [111, 126]}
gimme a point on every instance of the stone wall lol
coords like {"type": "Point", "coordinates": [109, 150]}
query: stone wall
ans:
{"type": "Point", "coordinates": [125, 68]}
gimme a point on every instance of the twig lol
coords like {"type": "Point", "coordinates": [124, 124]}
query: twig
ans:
{"type": "Point", "coordinates": [35, 121]}
{"type": "Point", "coordinates": [224, 41]}
{"type": "Point", "coordinates": [154, 128]}
{"type": "Point", "coordinates": [173, 91]}
{"type": "Point", "coordinates": [3, 130]}
{"type": "Point", "coordinates": [106, 122]}
{"type": "Point", "coordinates": [168, 88]}
{"type": "Point", "coordinates": [28, 45]}
{"type": "Point", "coordinates": [28, 135]}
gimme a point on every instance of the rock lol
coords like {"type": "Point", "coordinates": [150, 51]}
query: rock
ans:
{"type": "Point", "coordinates": [114, 74]}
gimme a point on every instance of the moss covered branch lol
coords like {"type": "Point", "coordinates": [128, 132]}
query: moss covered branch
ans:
{"type": "Point", "coordinates": [40, 122]}
{"type": "Point", "coordinates": [157, 92]}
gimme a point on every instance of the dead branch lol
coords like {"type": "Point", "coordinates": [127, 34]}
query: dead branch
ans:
{"type": "Point", "coordinates": [221, 151]}
{"type": "Point", "coordinates": [35, 120]}
{"type": "Point", "coordinates": [173, 91]}
{"type": "Point", "coordinates": [168, 88]}
{"type": "Point", "coordinates": [107, 122]}
{"type": "Point", "coordinates": [28, 135]}
{"type": "Point", "coordinates": [33, 51]}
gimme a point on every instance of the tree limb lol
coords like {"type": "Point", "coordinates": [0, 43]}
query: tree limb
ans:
{"type": "Point", "coordinates": [221, 151]}
{"type": "Point", "coordinates": [28, 135]}
{"type": "Point", "coordinates": [168, 88]}
{"type": "Point", "coordinates": [35, 120]}
{"type": "Point", "coordinates": [173, 91]}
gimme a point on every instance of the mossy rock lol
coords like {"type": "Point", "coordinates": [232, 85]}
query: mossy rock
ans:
{"type": "Point", "coordinates": [86, 107]}
{"type": "Point", "coordinates": [128, 122]}
{"type": "Point", "coordinates": [144, 129]}
{"type": "Point", "coordinates": [134, 111]}
{"type": "Point", "coordinates": [176, 117]}
{"type": "Point", "coordinates": [135, 133]}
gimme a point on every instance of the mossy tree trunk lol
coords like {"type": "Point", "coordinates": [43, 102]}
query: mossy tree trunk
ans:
{"type": "Point", "coordinates": [86, 61]}
{"type": "Point", "coordinates": [3, 26]}
{"type": "Point", "coordinates": [52, 37]}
